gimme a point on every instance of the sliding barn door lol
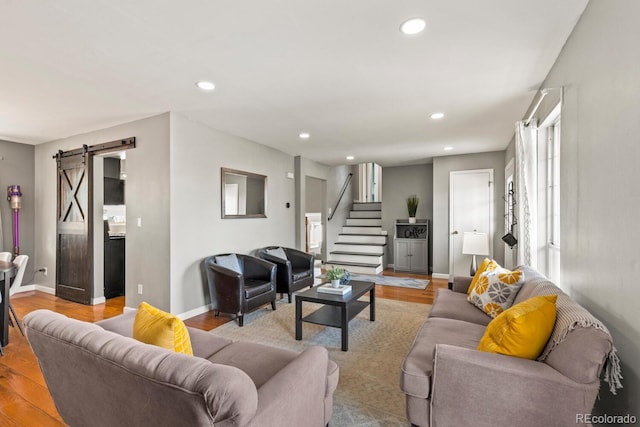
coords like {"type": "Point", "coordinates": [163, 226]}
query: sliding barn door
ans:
{"type": "Point", "coordinates": [74, 278]}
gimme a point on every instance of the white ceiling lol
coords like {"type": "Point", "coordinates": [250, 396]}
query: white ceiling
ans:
{"type": "Point", "coordinates": [338, 69]}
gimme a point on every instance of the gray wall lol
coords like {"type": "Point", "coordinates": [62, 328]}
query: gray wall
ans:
{"type": "Point", "coordinates": [313, 195]}
{"type": "Point", "coordinates": [599, 68]}
{"type": "Point", "coordinates": [197, 229]}
{"type": "Point", "coordinates": [335, 181]}
{"type": "Point", "coordinates": [399, 183]}
{"type": "Point", "coordinates": [440, 227]}
{"type": "Point", "coordinates": [17, 167]}
{"type": "Point", "coordinates": [147, 194]}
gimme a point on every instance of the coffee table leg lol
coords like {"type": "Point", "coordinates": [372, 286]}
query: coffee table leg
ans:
{"type": "Point", "coordinates": [298, 319]}
{"type": "Point", "coordinates": [372, 304]}
{"type": "Point", "coordinates": [345, 327]}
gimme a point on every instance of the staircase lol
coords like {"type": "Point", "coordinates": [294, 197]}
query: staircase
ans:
{"type": "Point", "coordinates": [360, 246]}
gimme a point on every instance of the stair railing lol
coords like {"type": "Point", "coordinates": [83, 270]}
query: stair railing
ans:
{"type": "Point", "coordinates": [344, 188]}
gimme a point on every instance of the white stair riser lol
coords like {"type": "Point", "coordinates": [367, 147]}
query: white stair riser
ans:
{"type": "Point", "coordinates": [365, 214]}
{"type": "Point", "coordinates": [375, 206]}
{"type": "Point", "coordinates": [373, 249]}
{"type": "Point", "coordinates": [361, 239]}
{"type": "Point", "coordinates": [366, 259]}
{"type": "Point", "coordinates": [357, 269]}
{"type": "Point", "coordinates": [355, 222]}
{"type": "Point", "coordinates": [362, 230]}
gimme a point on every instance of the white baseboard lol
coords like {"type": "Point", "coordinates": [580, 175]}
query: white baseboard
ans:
{"type": "Point", "coordinates": [440, 276]}
{"type": "Point", "coordinates": [40, 288]}
{"type": "Point", "coordinates": [195, 312]}
{"type": "Point", "coordinates": [390, 266]}
{"type": "Point", "coordinates": [96, 301]}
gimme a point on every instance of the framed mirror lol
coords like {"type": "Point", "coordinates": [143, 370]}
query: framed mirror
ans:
{"type": "Point", "coordinates": [244, 194]}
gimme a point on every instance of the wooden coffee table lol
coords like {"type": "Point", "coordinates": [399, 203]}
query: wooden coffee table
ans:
{"type": "Point", "coordinates": [338, 310]}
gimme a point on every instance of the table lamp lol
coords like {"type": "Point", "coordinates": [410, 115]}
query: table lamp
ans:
{"type": "Point", "coordinates": [474, 243]}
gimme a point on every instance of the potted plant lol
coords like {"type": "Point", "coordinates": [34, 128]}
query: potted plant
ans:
{"type": "Point", "coordinates": [412, 207]}
{"type": "Point", "coordinates": [334, 274]}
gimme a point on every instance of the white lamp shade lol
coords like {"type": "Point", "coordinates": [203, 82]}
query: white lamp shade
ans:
{"type": "Point", "coordinates": [475, 243]}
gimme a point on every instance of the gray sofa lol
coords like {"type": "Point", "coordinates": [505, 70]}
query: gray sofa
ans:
{"type": "Point", "coordinates": [99, 376]}
{"type": "Point", "coordinates": [448, 382]}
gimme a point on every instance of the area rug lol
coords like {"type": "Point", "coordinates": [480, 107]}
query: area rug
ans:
{"type": "Point", "coordinates": [403, 282]}
{"type": "Point", "coordinates": [368, 392]}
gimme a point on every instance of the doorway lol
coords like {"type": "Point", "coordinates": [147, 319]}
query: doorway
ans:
{"type": "Point", "coordinates": [470, 209]}
{"type": "Point", "coordinates": [114, 224]}
{"type": "Point", "coordinates": [315, 220]}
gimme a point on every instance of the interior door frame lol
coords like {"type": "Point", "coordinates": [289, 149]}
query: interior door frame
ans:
{"type": "Point", "coordinates": [451, 212]}
{"type": "Point", "coordinates": [87, 153]}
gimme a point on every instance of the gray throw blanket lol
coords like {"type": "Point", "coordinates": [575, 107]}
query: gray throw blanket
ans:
{"type": "Point", "coordinates": [571, 316]}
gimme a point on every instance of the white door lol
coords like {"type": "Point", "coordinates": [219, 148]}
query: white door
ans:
{"type": "Point", "coordinates": [470, 209]}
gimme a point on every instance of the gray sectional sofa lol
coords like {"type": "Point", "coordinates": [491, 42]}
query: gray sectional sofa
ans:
{"type": "Point", "coordinates": [448, 382]}
{"type": "Point", "coordinates": [99, 376]}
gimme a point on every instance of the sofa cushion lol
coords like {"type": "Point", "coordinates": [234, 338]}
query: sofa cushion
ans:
{"type": "Point", "coordinates": [156, 327]}
{"type": "Point", "coordinates": [301, 273]}
{"type": "Point", "coordinates": [229, 261]}
{"type": "Point", "coordinates": [416, 372]}
{"type": "Point", "coordinates": [260, 362]}
{"type": "Point", "coordinates": [522, 330]}
{"type": "Point", "coordinates": [255, 287]}
{"type": "Point", "coordinates": [496, 290]}
{"type": "Point", "coordinates": [454, 305]}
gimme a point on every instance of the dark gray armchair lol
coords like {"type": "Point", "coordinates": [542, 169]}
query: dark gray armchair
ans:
{"type": "Point", "coordinates": [240, 283]}
{"type": "Point", "coordinates": [294, 268]}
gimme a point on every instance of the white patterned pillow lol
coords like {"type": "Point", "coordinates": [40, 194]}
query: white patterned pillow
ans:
{"type": "Point", "coordinates": [496, 290]}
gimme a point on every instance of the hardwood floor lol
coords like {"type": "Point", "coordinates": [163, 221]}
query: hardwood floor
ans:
{"type": "Point", "coordinates": [24, 398]}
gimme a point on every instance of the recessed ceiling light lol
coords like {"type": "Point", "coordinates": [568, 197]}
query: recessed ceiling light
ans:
{"type": "Point", "coordinates": [350, 157]}
{"type": "Point", "coordinates": [413, 26]}
{"type": "Point", "coordinates": [304, 135]}
{"type": "Point", "coordinates": [437, 116]}
{"type": "Point", "coordinates": [448, 148]}
{"type": "Point", "coordinates": [204, 85]}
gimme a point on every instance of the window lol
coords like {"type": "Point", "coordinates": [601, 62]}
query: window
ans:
{"type": "Point", "coordinates": [552, 189]}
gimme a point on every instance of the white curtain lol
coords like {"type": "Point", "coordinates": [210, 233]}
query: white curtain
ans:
{"type": "Point", "coordinates": [526, 193]}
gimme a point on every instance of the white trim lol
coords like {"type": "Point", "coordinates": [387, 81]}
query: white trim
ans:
{"type": "Point", "coordinates": [41, 288]}
{"type": "Point", "coordinates": [552, 117]}
{"type": "Point", "coordinates": [96, 301]}
{"type": "Point", "coordinates": [440, 276]}
{"type": "Point", "coordinates": [195, 312]}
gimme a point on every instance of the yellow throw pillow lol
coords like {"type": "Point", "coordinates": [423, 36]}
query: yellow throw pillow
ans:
{"type": "Point", "coordinates": [486, 265]}
{"type": "Point", "coordinates": [156, 327]}
{"type": "Point", "coordinates": [496, 290]}
{"type": "Point", "coordinates": [523, 330]}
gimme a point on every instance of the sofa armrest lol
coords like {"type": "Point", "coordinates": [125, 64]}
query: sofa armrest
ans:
{"type": "Point", "coordinates": [471, 387]}
{"type": "Point", "coordinates": [461, 283]}
{"type": "Point", "coordinates": [304, 383]}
